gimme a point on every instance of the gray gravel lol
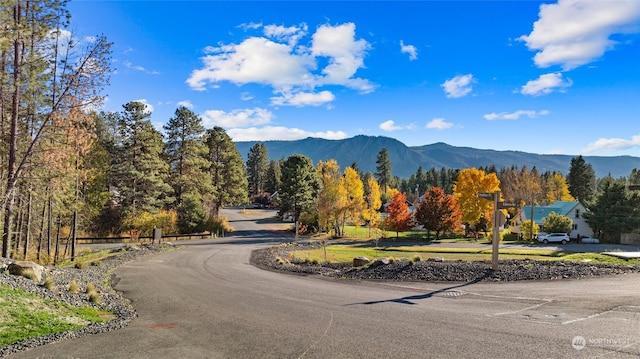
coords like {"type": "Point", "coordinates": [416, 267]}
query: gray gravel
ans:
{"type": "Point", "coordinates": [437, 271]}
{"type": "Point", "coordinates": [98, 274]}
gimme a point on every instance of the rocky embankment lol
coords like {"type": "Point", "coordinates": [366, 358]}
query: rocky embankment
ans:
{"type": "Point", "coordinates": [98, 273]}
{"type": "Point", "coordinates": [435, 269]}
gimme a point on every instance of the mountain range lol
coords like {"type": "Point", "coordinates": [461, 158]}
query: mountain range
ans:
{"type": "Point", "coordinates": [405, 160]}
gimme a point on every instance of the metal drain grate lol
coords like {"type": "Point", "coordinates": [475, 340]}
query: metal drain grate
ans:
{"type": "Point", "coordinates": [452, 293]}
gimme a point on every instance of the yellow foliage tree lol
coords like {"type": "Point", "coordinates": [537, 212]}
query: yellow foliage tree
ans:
{"type": "Point", "coordinates": [332, 196]}
{"type": "Point", "coordinates": [470, 182]}
{"type": "Point", "coordinates": [373, 201]}
{"type": "Point", "coordinates": [354, 190]}
{"type": "Point", "coordinates": [557, 189]}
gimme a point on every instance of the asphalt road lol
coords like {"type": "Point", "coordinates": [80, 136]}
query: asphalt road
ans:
{"type": "Point", "coordinates": [207, 301]}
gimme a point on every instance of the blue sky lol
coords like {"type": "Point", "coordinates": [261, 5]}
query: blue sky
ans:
{"type": "Point", "coordinates": [558, 77]}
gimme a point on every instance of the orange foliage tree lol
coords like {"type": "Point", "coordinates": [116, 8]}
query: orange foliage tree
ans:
{"type": "Point", "coordinates": [398, 219]}
{"type": "Point", "coordinates": [438, 212]}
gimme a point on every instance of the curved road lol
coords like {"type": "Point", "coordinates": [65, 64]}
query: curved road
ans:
{"type": "Point", "coordinates": [206, 301]}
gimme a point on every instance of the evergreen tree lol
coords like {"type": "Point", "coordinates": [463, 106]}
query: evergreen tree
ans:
{"type": "Point", "coordinates": [299, 185]}
{"type": "Point", "coordinates": [140, 172]}
{"type": "Point", "coordinates": [272, 182]}
{"type": "Point", "coordinates": [186, 153]}
{"type": "Point", "coordinates": [383, 170]}
{"type": "Point", "coordinates": [581, 180]}
{"type": "Point", "coordinates": [614, 211]}
{"type": "Point", "coordinates": [257, 168]}
{"type": "Point", "coordinates": [227, 171]}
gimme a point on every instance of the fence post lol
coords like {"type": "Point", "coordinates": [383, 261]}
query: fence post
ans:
{"type": "Point", "coordinates": [157, 235]}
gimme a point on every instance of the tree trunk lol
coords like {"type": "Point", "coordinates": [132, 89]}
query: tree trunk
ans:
{"type": "Point", "coordinates": [49, 222]}
{"type": "Point", "coordinates": [27, 236]}
{"type": "Point", "coordinates": [55, 256]}
{"type": "Point", "coordinates": [41, 234]}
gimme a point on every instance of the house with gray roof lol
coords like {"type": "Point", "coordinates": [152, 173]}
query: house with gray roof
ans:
{"type": "Point", "coordinates": [573, 210]}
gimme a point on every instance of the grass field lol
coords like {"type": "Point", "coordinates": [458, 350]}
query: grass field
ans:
{"type": "Point", "coordinates": [24, 315]}
{"type": "Point", "coordinates": [346, 252]}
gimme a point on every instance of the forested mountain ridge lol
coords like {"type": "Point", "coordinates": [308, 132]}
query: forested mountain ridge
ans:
{"type": "Point", "coordinates": [363, 150]}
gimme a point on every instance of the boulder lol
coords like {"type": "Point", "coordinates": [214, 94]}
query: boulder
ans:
{"type": "Point", "coordinates": [24, 268]}
{"type": "Point", "coordinates": [435, 259]}
{"type": "Point", "coordinates": [361, 261]}
{"type": "Point", "coordinates": [380, 262]}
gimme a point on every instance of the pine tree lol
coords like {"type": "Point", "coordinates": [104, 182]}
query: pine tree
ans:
{"type": "Point", "coordinates": [272, 182]}
{"type": "Point", "coordinates": [186, 153]}
{"type": "Point", "coordinates": [383, 170]}
{"type": "Point", "coordinates": [257, 167]}
{"type": "Point", "coordinates": [614, 211]}
{"type": "Point", "coordinates": [299, 187]}
{"type": "Point", "coordinates": [581, 180]}
{"type": "Point", "coordinates": [140, 171]}
{"type": "Point", "coordinates": [226, 172]}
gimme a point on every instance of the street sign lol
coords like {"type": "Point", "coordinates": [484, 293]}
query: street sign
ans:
{"type": "Point", "coordinates": [502, 205]}
{"type": "Point", "coordinates": [501, 219]}
{"type": "Point", "coordinates": [486, 195]}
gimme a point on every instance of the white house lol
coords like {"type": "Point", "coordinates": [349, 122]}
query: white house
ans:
{"type": "Point", "coordinates": [573, 210]}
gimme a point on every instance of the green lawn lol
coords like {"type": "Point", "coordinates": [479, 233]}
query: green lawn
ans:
{"type": "Point", "coordinates": [24, 315]}
{"type": "Point", "coordinates": [346, 253]}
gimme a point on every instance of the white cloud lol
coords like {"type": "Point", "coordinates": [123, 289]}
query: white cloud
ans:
{"type": "Point", "coordinates": [572, 33]}
{"type": "Point", "coordinates": [186, 104]}
{"type": "Point", "coordinates": [250, 26]}
{"type": "Point", "coordinates": [458, 86]}
{"type": "Point", "coordinates": [290, 34]}
{"type": "Point", "coordinates": [546, 84]}
{"type": "Point", "coordinates": [612, 144]}
{"type": "Point", "coordinates": [255, 60]}
{"type": "Point", "coordinates": [439, 124]}
{"type": "Point", "coordinates": [409, 49]}
{"type": "Point", "coordinates": [237, 118]}
{"type": "Point", "coordinates": [514, 115]}
{"type": "Point", "coordinates": [147, 106]}
{"type": "Point", "coordinates": [345, 53]}
{"type": "Point", "coordinates": [246, 96]}
{"type": "Point", "coordinates": [389, 126]}
{"type": "Point", "coordinates": [129, 65]}
{"type": "Point", "coordinates": [280, 133]}
{"type": "Point", "coordinates": [288, 68]}
{"type": "Point", "coordinates": [303, 99]}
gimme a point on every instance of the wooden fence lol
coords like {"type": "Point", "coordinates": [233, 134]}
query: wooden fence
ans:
{"type": "Point", "coordinates": [127, 239]}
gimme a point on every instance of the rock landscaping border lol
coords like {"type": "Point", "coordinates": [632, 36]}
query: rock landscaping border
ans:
{"type": "Point", "coordinates": [434, 270]}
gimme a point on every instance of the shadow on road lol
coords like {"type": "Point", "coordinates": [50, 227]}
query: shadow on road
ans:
{"type": "Point", "coordinates": [410, 299]}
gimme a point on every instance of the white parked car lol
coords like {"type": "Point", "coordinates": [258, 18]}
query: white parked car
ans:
{"type": "Point", "coordinates": [554, 237]}
{"type": "Point", "coordinates": [589, 240]}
